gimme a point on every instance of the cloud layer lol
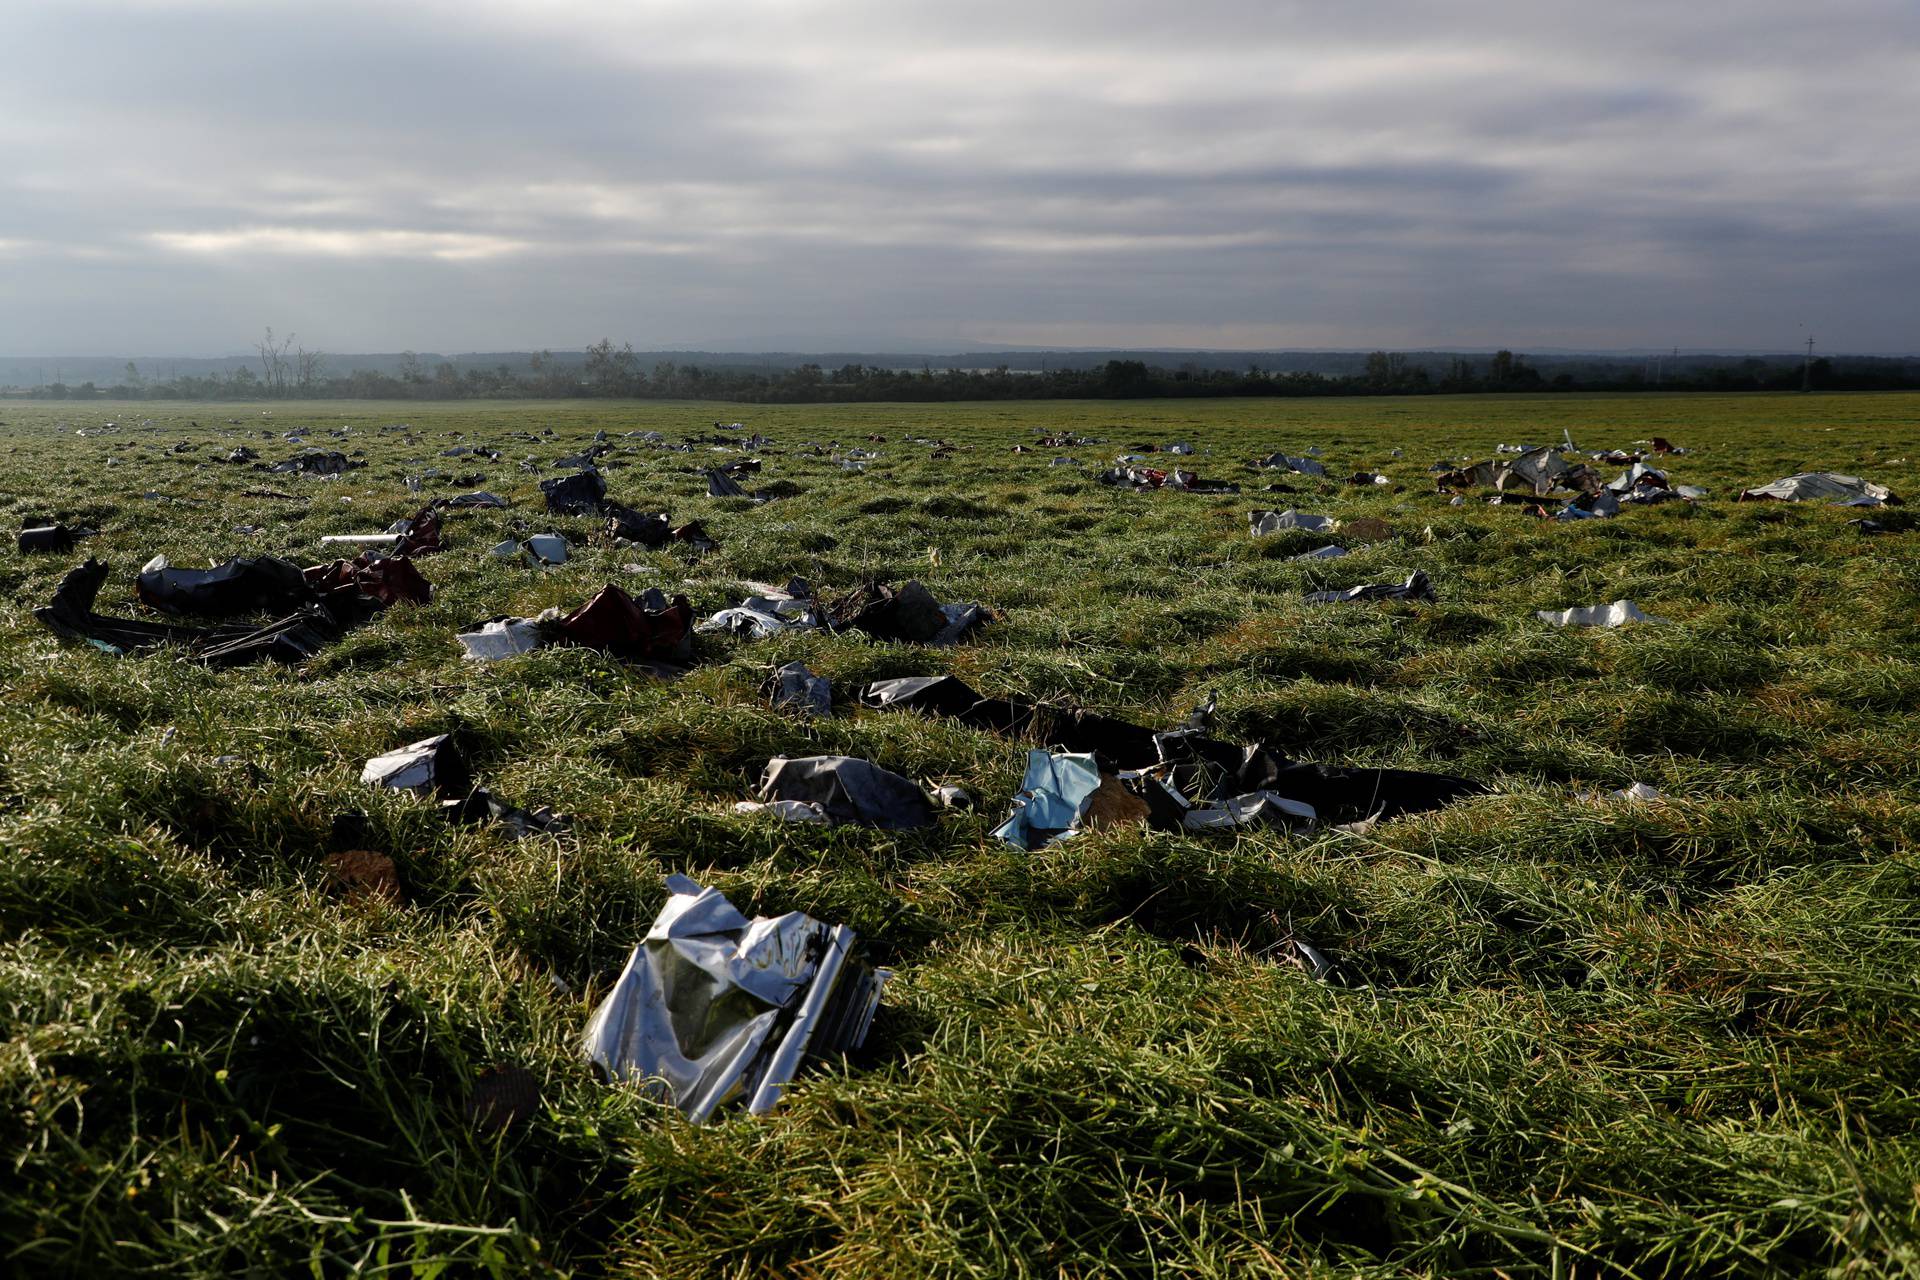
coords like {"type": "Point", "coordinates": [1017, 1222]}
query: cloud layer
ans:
{"type": "Point", "coordinates": [174, 175]}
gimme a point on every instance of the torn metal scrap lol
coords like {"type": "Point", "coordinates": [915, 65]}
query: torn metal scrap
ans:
{"type": "Point", "coordinates": [1115, 743]}
{"type": "Point", "coordinates": [713, 1007]}
{"type": "Point", "coordinates": [1830, 486]}
{"type": "Point", "coordinates": [481, 805]}
{"type": "Point", "coordinates": [51, 537]}
{"type": "Point", "coordinates": [242, 585]}
{"type": "Point", "coordinates": [1617, 614]}
{"type": "Point", "coordinates": [768, 613]}
{"type": "Point", "coordinates": [848, 790]}
{"type": "Point", "coordinates": [793, 685]}
{"type": "Point", "coordinates": [909, 614]}
{"type": "Point", "coordinates": [652, 630]}
{"type": "Point", "coordinates": [576, 495]}
{"type": "Point", "coordinates": [1054, 796]}
{"type": "Point", "coordinates": [298, 635]}
{"type": "Point", "coordinates": [1179, 772]}
{"type": "Point", "coordinates": [315, 462]}
{"type": "Point", "coordinates": [435, 767]}
{"type": "Point", "coordinates": [1417, 587]}
{"type": "Point", "coordinates": [1300, 466]}
{"type": "Point", "coordinates": [1261, 523]}
{"type": "Point", "coordinates": [1153, 478]}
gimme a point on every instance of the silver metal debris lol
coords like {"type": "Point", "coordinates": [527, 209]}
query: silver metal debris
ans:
{"type": "Point", "coordinates": [713, 1007]}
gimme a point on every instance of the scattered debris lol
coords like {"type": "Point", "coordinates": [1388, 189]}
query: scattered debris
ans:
{"type": "Point", "coordinates": [1141, 478]}
{"type": "Point", "coordinates": [652, 631]}
{"type": "Point", "coordinates": [712, 1006]}
{"type": "Point", "coordinates": [1054, 797]}
{"type": "Point", "coordinates": [576, 495]}
{"type": "Point", "coordinates": [768, 613]}
{"type": "Point", "coordinates": [1261, 523]}
{"type": "Point", "coordinates": [424, 767]}
{"type": "Point", "coordinates": [793, 685]}
{"type": "Point", "coordinates": [501, 638]}
{"type": "Point", "coordinates": [290, 639]}
{"type": "Point", "coordinates": [1300, 466]}
{"type": "Point", "coordinates": [51, 537]}
{"type": "Point", "coordinates": [1831, 486]}
{"type": "Point", "coordinates": [1416, 587]}
{"type": "Point", "coordinates": [1619, 613]}
{"type": "Point", "coordinates": [848, 790]}
{"type": "Point", "coordinates": [316, 462]}
{"type": "Point", "coordinates": [909, 614]}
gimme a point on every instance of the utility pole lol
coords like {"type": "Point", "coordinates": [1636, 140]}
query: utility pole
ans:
{"type": "Point", "coordinates": [1806, 370]}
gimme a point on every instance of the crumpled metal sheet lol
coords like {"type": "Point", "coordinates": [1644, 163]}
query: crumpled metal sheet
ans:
{"type": "Point", "coordinates": [1264, 522]}
{"type": "Point", "coordinates": [1053, 798]}
{"type": "Point", "coordinates": [1809, 486]}
{"type": "Point", "coordinates": [1601, 505]}
{"type": "Point", "coordinates": [1619, 613]}
{"type": "Point", "coordinates": [848, 790]}
{"type": "Point", "coordinates": [1540, 468]}
{"type": "Point", "coordinates": [786, 810]}
{"type": "Point", "coordinates": [1301, 466]}
{"type": "Point", "coordinates": [760, 617]}
{"type": "Point", "coordinates": [713, 1007]}
{"type": "Point", "coordinates": [1256, 808]}
{"type": "Point", "coordinates": [909, 614]}
{"type": "Point", "coordinates": [1417, 587]}
{"type": "Point", "coordinates": [289, 639]}
{"type": "Point", "coordinates": [793, 685]}
{"type": "Point", "coordinates": [431, 764]}
{"type": "Point", "coordinates": [501, 638]}
{"type": "Point", "coordinates": [576, 495]}
{"type": "Point", "coordinates": [242, 585]}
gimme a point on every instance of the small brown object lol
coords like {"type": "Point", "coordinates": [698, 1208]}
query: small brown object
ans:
{"type": "Point", "coordinates": [1367, 529]}
{"type": "Point", "coordinates": [1113, 805]}
{"type": "Point", "coordinates": [502, 1097]}
{"type": "Point", "coordinates": [365, 874]}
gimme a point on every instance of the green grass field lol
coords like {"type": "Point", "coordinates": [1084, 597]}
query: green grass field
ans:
{"type": "Point", "coordinates": [1577, 1038]}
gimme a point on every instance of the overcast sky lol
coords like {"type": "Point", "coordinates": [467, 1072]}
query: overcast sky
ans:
{"type": "Point", "coordinates": [509, 174]}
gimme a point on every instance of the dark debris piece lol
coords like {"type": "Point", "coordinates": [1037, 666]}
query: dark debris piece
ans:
{"type": "Point", "coordinates": [289, 639]}
{"type": "Point", "coordinates": [579, 494]}
{"type": "Point", "coordinates": [1201, 767]}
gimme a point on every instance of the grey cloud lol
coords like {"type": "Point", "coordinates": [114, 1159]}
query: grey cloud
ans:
{"type": "Point", "coordinates": [494, 175]}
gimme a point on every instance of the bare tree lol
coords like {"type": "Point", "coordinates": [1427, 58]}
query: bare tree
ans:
{"type": "Point", "coordinates": [309, 365]}
{"type": "Point", "coordinates": [273, 362]}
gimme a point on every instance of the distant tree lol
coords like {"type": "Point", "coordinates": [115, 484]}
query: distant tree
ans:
{"type": "Point", "coordinates": [1126, 377]}
{"type": "Point", "coordinates": [411, 370]}
{"type": "Point", "coordinates": [273, 363]}
{"type": "Point", "coordinates": [610, 372]}
{"type": "Point", "coordinates": [309, 366]}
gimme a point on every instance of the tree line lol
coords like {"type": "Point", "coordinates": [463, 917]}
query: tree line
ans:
{"type": "Point", "coordinates": [609, 371]}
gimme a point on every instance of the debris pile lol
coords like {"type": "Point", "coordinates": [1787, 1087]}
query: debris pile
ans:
{"type": "Point", "coordinates": [313, 607]}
